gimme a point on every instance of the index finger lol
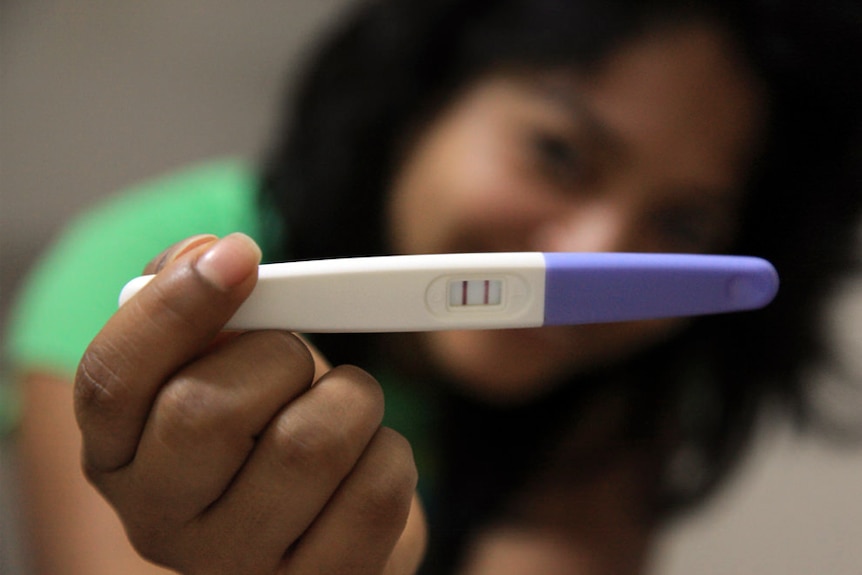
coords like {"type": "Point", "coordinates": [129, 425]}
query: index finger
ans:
{"type": "Point", "coordinates": [154, 334]}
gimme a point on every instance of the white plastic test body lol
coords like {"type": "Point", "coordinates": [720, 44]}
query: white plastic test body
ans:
{"type": "Point", "coordinates": [495, 290]}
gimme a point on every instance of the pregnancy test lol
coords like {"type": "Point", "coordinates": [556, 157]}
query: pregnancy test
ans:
{"type": "Point", "coordinates": [495, 290]}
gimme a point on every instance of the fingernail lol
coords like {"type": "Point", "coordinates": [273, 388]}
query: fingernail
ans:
{"type": "Point", "coordinates": [183, 247]}
{"type": "Point", "coordinates": [229, 261]}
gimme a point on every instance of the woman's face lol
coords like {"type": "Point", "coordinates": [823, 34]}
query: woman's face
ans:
{"type": "Point", "coordinates": [646, 153]}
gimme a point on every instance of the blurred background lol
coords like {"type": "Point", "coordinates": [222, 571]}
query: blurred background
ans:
{"type": "Point", "coordinates": [98, 94]}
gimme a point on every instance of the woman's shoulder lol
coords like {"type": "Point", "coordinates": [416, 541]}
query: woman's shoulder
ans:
{"type": "Point", "coordinates": [218, 196]}
{"type": "Point", "coordinates": [73, 288]}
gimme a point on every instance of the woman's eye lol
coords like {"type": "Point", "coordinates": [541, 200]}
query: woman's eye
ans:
{"type": "Point", "coordinates": [558, 157]}
{"type": "Point", "coordinates": [686, 231]}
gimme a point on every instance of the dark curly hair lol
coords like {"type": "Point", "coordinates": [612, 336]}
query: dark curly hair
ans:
{"type": "Point", "coordinates": [391, 65]}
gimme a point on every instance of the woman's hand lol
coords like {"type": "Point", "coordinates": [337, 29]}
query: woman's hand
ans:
{"type": "Point", "coordinates": [239, 453]}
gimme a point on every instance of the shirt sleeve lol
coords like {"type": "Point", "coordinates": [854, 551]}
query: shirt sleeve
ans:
{"type": "Point", "coordinates": [73, 289]}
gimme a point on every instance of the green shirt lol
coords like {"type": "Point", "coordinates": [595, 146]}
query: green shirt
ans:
{"type": "Point", "coordinates": [73, 289]}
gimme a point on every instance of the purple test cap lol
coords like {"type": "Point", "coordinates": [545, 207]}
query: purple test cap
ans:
{"type": "Point", "coordinates": [606, 287]}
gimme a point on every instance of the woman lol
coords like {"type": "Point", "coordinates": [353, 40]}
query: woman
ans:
{"type": "Point", "coordinates": [483, 126]}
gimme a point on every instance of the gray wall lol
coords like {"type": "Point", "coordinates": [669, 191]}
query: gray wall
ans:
{"type": "Point", "coordinates": [97, 94]}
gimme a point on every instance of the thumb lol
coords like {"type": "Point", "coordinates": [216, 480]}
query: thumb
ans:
{"type": "Point", "coordinates": [169, 322]}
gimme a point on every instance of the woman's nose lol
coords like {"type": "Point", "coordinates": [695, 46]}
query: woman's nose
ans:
{"type": "Point", "coordinates": [596, 227]}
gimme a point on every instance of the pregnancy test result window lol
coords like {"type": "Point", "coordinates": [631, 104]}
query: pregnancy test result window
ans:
{"type": "Point", "coordinates": [475, 293]}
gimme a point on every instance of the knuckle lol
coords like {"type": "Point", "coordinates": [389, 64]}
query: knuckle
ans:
{"type": "Point", "coordinates": [283, 349]}
{"type": "Point", "coordinates": [389, 496]}
{"type": "Point", "coordinates": [92, 472]}
{"type": "Point", "coordinates": [357, 392]}
{"type": "Point", "coordinates": [100, 389]}
{"type": "Point", "coordinates": [304, 444]}
{"type": "Point", "coordinates": [171, 549]}
{"type": "Point", "coordinates": [359, 376]}
{"type": "Point", "coordinates": [147, 544]}
{"type": "Point", "coordinates": [289, 344]}
{"type": "Point", "coordinates": [189, 411]}
{"type": "Point", "coordinates": [326, 430]}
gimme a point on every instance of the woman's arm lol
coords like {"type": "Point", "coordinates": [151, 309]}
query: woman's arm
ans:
{"type": "Point", "coordinates": [70, 528]}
